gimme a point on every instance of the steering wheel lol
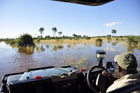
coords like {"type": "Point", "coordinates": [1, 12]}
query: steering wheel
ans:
{"type": "Point", "coordinates": [89, 79]}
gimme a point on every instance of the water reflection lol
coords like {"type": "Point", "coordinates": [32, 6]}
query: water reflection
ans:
{"type": "Point", "coordinates": [109, 40]}
{"type": "Point", "coordinates": [109, 48]}
{"type": "Point", "coordinates": [73, 59]}
{"type": "Point", "coordinates": [40, 48]}
{"type": "Point", "coordinates": [47, 46]}
{"type": "Point", "coordinates": [131, 46]}
{"type": "Point", "coordinates": [138, 47]}
{"type": "Point", "coordinates": [81, 55]}
{"type": "Point", "coordinates": [57, 47]}
{"type": "Point", "coordinates": [82, 63]}
{"type": "Point", "coordinates": [68, 46]}
{"type": "Point", "coordinates": [114, 43]}
{"type": "Point", "coordinates": [99, 43]}
{"type": "Point", "coordinates": [26, 50]}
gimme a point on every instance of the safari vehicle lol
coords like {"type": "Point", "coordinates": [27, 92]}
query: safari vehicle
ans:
{"type": "Point", "coordinates": [52, 79]}
{"type": "Point", "coordinates": [66, 79]}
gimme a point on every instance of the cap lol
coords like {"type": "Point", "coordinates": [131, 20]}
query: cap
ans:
{"type": "Point", "coordinates": [126, 61]}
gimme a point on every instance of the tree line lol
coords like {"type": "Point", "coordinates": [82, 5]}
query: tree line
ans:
{"type": "Point", "coordinates": [54, 29]}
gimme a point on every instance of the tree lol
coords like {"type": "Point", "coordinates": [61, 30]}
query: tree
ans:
{"type": "Point", "coordinates": [54, 29]}
{"type": "Point", "coordinates": [41, 31]}
{"type": "Point", "coordinates": [114, 31]}
{"type": "Point", "coordinates": [60, 33]}
{"type": "Point", "coordinates": [74, 35]}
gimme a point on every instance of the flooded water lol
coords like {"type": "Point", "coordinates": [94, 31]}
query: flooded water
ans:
{"type": "Point", "coordinates": [80, 55]}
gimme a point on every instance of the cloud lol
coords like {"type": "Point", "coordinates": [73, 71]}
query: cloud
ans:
{"type": "Point", "coordinates": [112, 24]}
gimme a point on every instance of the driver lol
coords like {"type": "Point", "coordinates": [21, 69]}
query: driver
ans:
{"type": "Point", "coordinates": [126, 67]}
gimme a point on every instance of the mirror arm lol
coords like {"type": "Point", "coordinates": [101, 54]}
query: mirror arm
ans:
{"type": "Point", "coordinates": [100, 64]}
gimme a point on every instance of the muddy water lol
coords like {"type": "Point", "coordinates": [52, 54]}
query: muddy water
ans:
{"type": "Point", "coordinates": [80, 55]}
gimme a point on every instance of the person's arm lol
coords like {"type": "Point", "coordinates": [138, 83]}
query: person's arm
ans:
{"type": "Point", "coordinates": [109, 77]}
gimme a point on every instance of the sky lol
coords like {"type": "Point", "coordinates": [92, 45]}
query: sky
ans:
{"type": "Point", "coordinates": [27, 16]}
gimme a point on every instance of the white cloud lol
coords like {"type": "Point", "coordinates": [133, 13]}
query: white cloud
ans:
{"type": "Point", "coordinates": [112, 24]}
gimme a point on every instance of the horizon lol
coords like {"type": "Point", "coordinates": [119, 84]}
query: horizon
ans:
{"type": "Point", "coordinates": [81, 36]}
{"type": "Point", "coordinates": [19, 17]}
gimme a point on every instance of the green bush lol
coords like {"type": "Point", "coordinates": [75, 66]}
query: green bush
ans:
{"type": "Point", "coordinates": [13, 42]}
{"type": "Point", "coordinates": [132, 39]}
{"type": "Point", "coordinates": [25, 40]}
{"type": "Point", "coordinates": [86, 37]}
{"type": "Point", "coordinates": [108, 37]}
{"type": "Point", "coordinates": [99, 40]}
{"type": "Point", "coordinates": [138, 39]}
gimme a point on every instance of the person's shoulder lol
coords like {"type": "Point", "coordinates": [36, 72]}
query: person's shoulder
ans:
{"type": "Point", "coordinates": [134, 76]}
{"type": "Point", "coordinates": [117, 84]}
{"type": "Point", "coordinates": [125, 80]}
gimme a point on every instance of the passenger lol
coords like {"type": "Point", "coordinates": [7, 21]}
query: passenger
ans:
{"type": "Point", "coordinates": [126, 66]}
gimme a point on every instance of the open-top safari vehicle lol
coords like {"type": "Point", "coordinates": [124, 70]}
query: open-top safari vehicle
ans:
{"type": "Point", "coordinates": [67, 79]}
{"type": "Point", "coordinates": [57, 79]}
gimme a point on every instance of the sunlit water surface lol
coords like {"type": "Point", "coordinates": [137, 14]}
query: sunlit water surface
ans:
{"type": "Point", "coordinates": [80, 55]}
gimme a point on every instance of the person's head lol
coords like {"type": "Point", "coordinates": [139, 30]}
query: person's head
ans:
{"type": "Point", "coordinates": [126, 63]}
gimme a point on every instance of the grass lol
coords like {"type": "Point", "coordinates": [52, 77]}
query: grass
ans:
{"type": "Point", "coordinates": [73, 40]}
{"type": "Point", "coordinates": [129, 41]}
{"type": "Point", "coordinates": [68, 41]}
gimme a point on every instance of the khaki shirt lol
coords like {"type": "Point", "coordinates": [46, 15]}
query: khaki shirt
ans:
{"type": "Point", "coordinates": [125, 80]}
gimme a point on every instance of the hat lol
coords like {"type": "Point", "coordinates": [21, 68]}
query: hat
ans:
{"type": "Point", "coordinates": [126, 61]}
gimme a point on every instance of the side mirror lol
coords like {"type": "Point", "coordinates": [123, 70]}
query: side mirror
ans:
{"type": "Point", "coordinates": [100, 55]}
{"type": "Point", "coordinates": [110, 66]}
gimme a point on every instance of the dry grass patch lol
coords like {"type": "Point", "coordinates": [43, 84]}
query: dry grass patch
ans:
{"type": "Point", "coordinates": [68, 41]}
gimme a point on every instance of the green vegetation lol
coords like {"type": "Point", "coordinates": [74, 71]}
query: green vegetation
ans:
{"type": "Point", "coordinates": [75, 37]}
{"type": "Point", "coordinates": [41, 31]}
{"type": "Point", "coordinates": [108, 37]}
{"type": "Point", "coordinates": [25, 40]}
{"type": "Point", "coordinates": [54, 29]}
{"type": "Point", "coordinates": [12, 42]}
{"type": "Point", "coordinates": [99, 40]}
{"type": "Point", "coordinates": [86, 37]}
{"type": "Point", "coordinates": [60, 33]}
{"type": "Point", "coordinates": [133, 39]}
{"type": "Point", "coordinates": [133, 42]}
{"type": "Point", "coordinates": [114, 31]}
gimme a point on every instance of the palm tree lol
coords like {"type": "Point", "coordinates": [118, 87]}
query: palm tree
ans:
{"type": "Point", "coordinates": [74, 35]}
{"type": "Point", "coordinates": [41, 29]}
{"type": "Point", "coordinates": [54, 29]}
{"type": "Point", "coordinates": [114, 31]}
{"type": "Point", "coordinates": [60, 33]}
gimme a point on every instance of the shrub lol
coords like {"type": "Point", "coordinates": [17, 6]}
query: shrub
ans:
{"type": "Point", "coordinates": [132, 39]}
{"type": "Point", "coordinates": [99, 40]}
{"type": "Point", "coordinates": [13, 42]}
{"type": "Point", "coordinates": [25, 40]}
{"type": "Point", "coordinates": [108, 37]}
